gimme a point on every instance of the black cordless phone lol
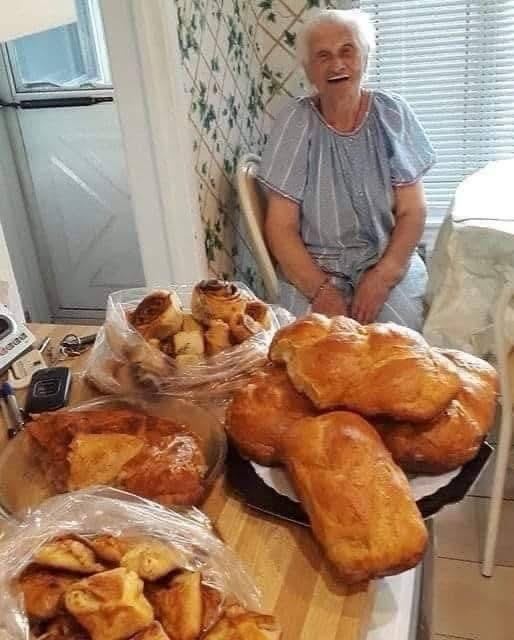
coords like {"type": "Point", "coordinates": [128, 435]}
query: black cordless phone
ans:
{"type": "Point", "coordinates": [49, 390]}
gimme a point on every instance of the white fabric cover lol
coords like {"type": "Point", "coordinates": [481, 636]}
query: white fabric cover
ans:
{"type": "Point", "coordinates": [472, 260]}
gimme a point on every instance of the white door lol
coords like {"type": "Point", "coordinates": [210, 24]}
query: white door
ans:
{"type": "Point", "coordinates": [87, 233]}
{"type": "Point", "coordinates": [81, 210]}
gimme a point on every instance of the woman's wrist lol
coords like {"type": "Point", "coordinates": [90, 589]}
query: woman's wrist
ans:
{"type": "Point", "coordinates": [324, 286]}
{"type": "Point", "coordinates": [390, 272]}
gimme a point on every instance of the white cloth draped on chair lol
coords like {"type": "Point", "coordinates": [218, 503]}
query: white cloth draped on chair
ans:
{"type": "Point", "coordinates": [471, 296]}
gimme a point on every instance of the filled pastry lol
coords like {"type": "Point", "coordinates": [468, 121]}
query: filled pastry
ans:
{"type": "Point", "coordinates": [110, 605]}
{"type": "Point", "coordinates": [146, 593]}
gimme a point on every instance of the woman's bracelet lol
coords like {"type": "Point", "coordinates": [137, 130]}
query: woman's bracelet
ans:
{"type": "Point", "coordinates": [324, 285]}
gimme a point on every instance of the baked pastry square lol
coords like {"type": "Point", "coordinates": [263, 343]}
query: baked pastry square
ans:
{"type": "Point", "coordinates": [98, 458]}
{"type": "Point", "coordinates": [152, 559]}
{"type": "Point", "coordinates": [238, 624]}
{"type": "Point", "coordinates": [68, 554]}
{"type": "Point", "coordinates": [43, 591]}
{"type": "Point", "coordinates": [153, 632]}
{"type": "Point", "coordinates": [178, 606]}
{"type": "Point", "coordinates": [110, 605]}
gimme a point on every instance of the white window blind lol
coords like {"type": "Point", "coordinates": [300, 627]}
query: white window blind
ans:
{"type": "Point", "coordinates": [453, 60]}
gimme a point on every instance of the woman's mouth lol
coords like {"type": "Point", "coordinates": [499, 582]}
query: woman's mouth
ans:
{"type": "Point", "coordinates": [341, 77]}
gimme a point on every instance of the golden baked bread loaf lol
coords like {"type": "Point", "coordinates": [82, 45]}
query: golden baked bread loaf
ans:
{"type": "Point", "coordinates": [358, 501]}
{"type": "Point", "coordinates": [262, 410]}
{"type": "Point", "coordinates": [158, 315]}
{"type": "Point", "coordinates": [110, 605]}
{"type": "Point", "coordinates": [216, 300]}
{"type": "Point", "coordinates": [455, 436]}
{"type": "Point", "coordinates": [377, 369]}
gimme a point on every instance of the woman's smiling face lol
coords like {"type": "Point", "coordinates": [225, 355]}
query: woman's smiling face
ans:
{"type": "Point", "coordinates": [336, 61]}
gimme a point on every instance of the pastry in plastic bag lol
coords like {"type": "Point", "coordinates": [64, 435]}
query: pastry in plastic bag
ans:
{"type": "Point", "coordinates": [243, 327]}
{"type": "Point", "coordinates": [217, 300]}
{"type": "Point", "coordinates": [260, 312]}
{"type": "Point", "coordinates": [116, 603]}
{"type": "Point", "coordinates": [152, 560]}
{"type": "Point", "coordinates": [64, 627]}
{"type": "Point", "coordinates": [217, 337]}
{"type": "Point", "coordinates": [130, 360]}
{"type": "Point", "coordinates": [43, 591]}
{"type": "Point", "coordinates": [68, 554]}
{"type": "Point", "coordinates": [108, 548]}
{"type": "Point", "coordinates": [238, 624]}
{"type": "Point", "coordinates": [153, 632]}
{"type": "Point", "coordinates": [110, 605]}
{"type": "Point", "coordinates": [158, 315]}
{"type": "Point", "coordinates": [178, 606]}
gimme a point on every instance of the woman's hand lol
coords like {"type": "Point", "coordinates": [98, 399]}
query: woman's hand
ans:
{"type": "Point", "coordinates": [331, 302]}
{"type": "Point", "coordinates": [372, 292]}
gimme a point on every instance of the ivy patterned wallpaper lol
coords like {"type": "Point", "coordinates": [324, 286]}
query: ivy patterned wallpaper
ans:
{"type": "Point", "coordinates": [239, 63]}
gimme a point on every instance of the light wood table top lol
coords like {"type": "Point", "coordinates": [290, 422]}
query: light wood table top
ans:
{"type": "Point", "coordinates": [284, 559]}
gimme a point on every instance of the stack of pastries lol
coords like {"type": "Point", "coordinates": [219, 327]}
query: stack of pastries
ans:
{"type": "Point", "coordinates": [347, 409]}
{"type": "Point", "coordinates": [125, 588]}
{"type": "Point", "coordinates": [221, 316]}
{"type": "Point", "coordinates": [147, 455]}
{"type": "Point", "coordinates": [194, 348]}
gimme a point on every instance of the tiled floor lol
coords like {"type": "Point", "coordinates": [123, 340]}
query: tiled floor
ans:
{"type": "Point", "coordinates": [468, 606]}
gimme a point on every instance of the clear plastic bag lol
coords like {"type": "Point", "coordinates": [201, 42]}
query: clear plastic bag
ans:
{"type": "Point", "coordinates": [122, 361]}
{"type": "Point", "coordinates": [109, 511]}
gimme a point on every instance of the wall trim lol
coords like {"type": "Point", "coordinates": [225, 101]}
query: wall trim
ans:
{"type": "Point", "coordinates": [142, 40]}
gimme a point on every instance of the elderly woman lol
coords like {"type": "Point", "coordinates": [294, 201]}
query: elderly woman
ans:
{"type": "Point", "coordinates": [343, 168]}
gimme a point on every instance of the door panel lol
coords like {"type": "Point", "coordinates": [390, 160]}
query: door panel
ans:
{"type": "Point", "coordinates": [84, 212]}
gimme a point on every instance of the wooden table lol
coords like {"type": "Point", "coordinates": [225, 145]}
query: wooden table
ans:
{"type": "Point", "coordinates": [285, 561]}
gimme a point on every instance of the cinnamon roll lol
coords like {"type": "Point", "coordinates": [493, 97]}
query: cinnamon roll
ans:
{"type": "Point", "coordinates": [216, 300]}
{"type": "Point", "coordinates": [158, 315]}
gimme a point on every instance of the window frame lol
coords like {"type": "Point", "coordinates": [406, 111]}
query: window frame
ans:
{"type": "Point", "coordinates": [94, 36]}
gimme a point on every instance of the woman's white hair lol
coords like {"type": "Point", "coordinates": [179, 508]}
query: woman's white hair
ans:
{"type": "Point", "coordinates": [355, 19]}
